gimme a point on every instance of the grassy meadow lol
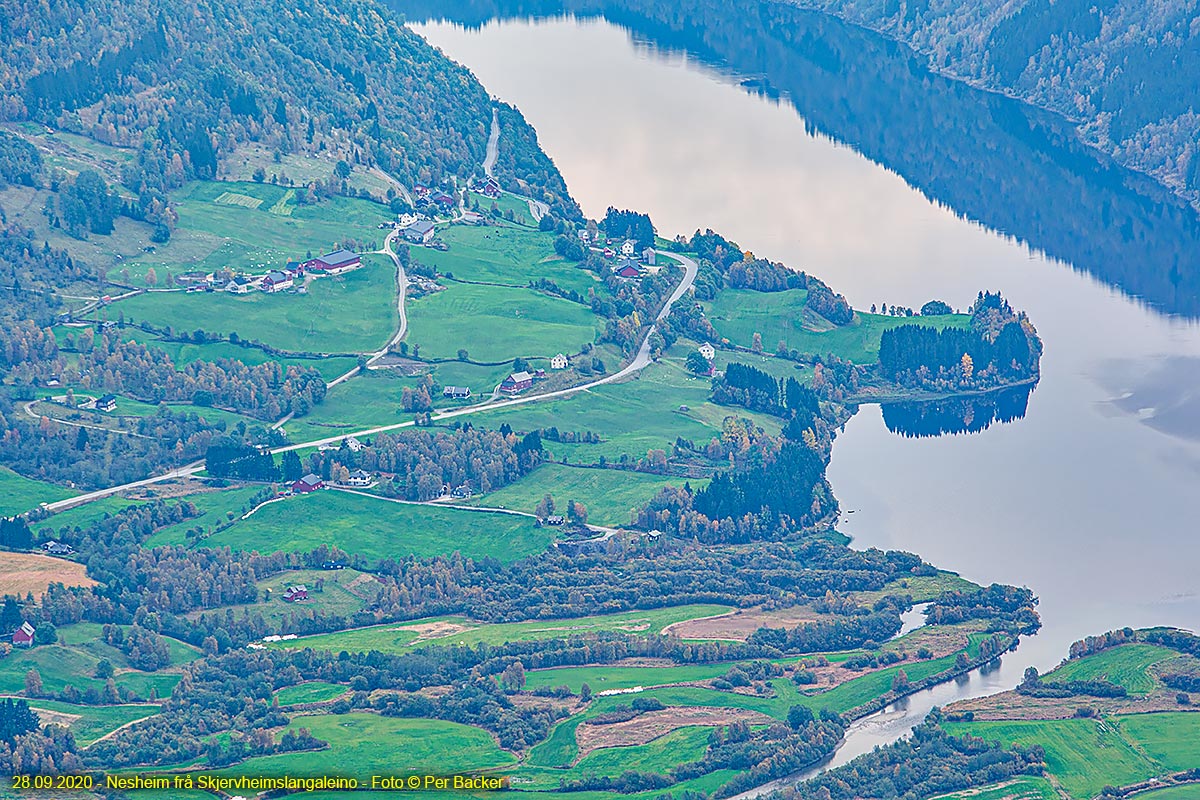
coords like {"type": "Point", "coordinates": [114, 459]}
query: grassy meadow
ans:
{"type": "Point", "coordinates": [367, 526]}
{"type": "Point", "coordinates": [19, 494]}
{"type": "Point", "coordinates": [738, 314]}
{"type": "Point", "coordinates": [72, 662]}
{"type": "Point", "coordinates": [1085, 755]}
{"type": "Point", "coordinates": [402, 637]}
{"type": "Point", "coordinates": [363, 744]}
{"type": "Point", "coordinates": [89, 723]}
{"type": "Point", "coordinates": [504, 254]}
{"type": "Point", "coordinates": [311, 692]}
{"type": "Point", "coordinates": [342, 592]}
{"type": "Point", "coordinates": [251, 226]}
{"type": "Point", "coordinates": [653, 398]}
{"type": "Point", "coordinates": [497, 323]}
{"type": "Point", "coordinates": [1127, 665]}
{"type": "Point", "coordinates": [350, 313]}
{"type": "Point", "coordinates": [611, 496]}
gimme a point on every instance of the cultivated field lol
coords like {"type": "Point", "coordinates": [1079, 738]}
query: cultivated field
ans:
{"type": "Point", "coordinates": [738, 314]}
{"type": "Point", "coordinates": [653, 399]}
{"type": "Point", "coordinates": [367, 526]}
{"type": "Point", "coordinates": [496, 323]}
{"type": "Point", "coordinates": [72, 662]}
{"type": "Point", "coordinates": [1085, 755]}
{"type": "Point", "coordinates": [611, 496]}
{"type": "Point", "coordinates": [19, 494]}
{"type": "Point", "coordinates": [402, 637]}
{"type": "Point", "coordinates": [363, 744]}
{"type": "Point", "coordinates": [505, 254]}
{"type": "Point", "coordinates": [21, 573]}
{"type": "Point", "coordinates": [89, 723]}
{"type": "Point", "coordinates": [1127, 665]}
{"type": "Point", "coordinates": [350, 313]}
{"type": "Point", "coordinates": [311, 692]}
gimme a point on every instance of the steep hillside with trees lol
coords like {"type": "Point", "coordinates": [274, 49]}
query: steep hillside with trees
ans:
{"type": "Point", "coordinates": [1124, 70]}
{"type": "Point", "coordinates": [186, 83]}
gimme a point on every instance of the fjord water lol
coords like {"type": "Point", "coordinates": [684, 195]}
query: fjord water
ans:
{"type": "Point", "coordinates": [836, 152]}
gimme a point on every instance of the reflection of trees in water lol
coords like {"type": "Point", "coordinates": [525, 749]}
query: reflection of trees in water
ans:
{"type": "Point", "coordinates": [989, 158]}
{"type": "Point", "coordinates": [957, 414]}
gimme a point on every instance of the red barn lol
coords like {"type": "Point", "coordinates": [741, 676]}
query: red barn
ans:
{"type": "Point", "coordinates": [309, 483]}
{"type": "Point", "coordinates": [295, 593]}
{"type": "Point", "coordinates": [517, 382]}
{"type": "Point", "coordinates": [24, 635]}
{"type": "Point", "coordinates": [333, 263]}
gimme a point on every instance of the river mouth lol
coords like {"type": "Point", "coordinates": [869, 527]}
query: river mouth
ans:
{"type": "Point", "coordinates": [1089, 497]}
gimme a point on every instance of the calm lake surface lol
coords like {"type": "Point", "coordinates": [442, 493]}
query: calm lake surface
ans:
{"type": "Point", "coordinates": [1092, 497]}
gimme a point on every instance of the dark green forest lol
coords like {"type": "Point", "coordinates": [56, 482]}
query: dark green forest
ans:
{"type": "Point", "coordinates": [185, 83]}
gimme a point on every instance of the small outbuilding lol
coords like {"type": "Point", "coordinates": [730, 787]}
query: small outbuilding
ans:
{"type": "Point", "coordinates": [23, 637]}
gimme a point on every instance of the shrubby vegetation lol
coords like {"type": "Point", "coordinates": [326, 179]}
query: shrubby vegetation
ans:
{"type": "Point", "coordinates": [929, 763]}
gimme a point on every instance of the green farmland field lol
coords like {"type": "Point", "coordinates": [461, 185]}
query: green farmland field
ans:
{"type": "Point", "coordinates": [611, 496]}
{"type": "Point", "coordinates": [403, 636]}
{"type": "Point", "coordinates": [1126, 666]}
{"type": "Point", "coordinates": [19, 494]}
{"type": "Point", "coordinates": [312, 692]}
{"type": "Point", "coordinates": [738, 314]}
{"type": "Point", "coordinates": [371, 527]}
{"type": "Point", "coordinates": [495, 323]}
{"type": "Point", "coordinates": [214, 508]}
{"type": "Point", "coordinates": [72, 662]}
{"type": "Point", "coordinates": [361, 745]}
{"type": "Point", "coordinates": [505, 254]}
{"type": "Point", "coordinates": [92, 722]}
{"type": "Point", "coordinates": [217, 228]}
{"type": "Point", "coordinates": [653, 399]}
{"type": "Point", "coordinates": [350, 313]}
{"type": "Point", "coordinates": [1085, 755]}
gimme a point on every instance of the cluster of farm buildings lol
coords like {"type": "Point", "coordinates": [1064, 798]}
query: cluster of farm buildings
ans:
{"type": "Point", "coordinates": [290, 277]}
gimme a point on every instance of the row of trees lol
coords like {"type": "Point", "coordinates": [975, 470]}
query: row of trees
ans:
{"type": "Point", "coordinates": [267, 391]}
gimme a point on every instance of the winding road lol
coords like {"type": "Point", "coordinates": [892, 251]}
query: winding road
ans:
{"type": "Point", "coordinates": [639, 362]}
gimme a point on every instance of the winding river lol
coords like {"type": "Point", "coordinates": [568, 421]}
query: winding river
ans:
{"type": "Point", "coordinates": [837, 152]}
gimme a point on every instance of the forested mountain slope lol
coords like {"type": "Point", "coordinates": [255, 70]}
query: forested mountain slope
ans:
{"type": "Point", "coordinates": [1127, 70]}
{"type": "Point", "coordinates": [188, 82]}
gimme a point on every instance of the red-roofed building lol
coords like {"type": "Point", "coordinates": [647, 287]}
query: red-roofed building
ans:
{"type": "Point", "coordinates": [333, 263]}
{"type": "Point", "coordinates": [309, 483]}
{"type": "Point", "coordinates": [23, 636]}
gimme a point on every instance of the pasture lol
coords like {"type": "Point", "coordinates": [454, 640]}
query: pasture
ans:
{"type": "Point", "coordinates": [350, 313]}
{"type": "Point", "coordinates": [89, 723]}
{"type": "Point", "coordinates": [612, 496]}
{"type": "Point", "coordinates": [184, 353]}
{"type": "Point", "coordinates": [361, 745]}
{"type": "Point", "coordinates": [72, 662]}
{"type": "Point", "coordinates": [653, 398]}
{"type": "Point", "coordinates": [311, 692]}
{"type": "Point", "coordinates": [19, 494]}
{"type": "Point", "coordinates": [402, 637]}
{"type": "Point", "coordinates": [738, 314]}
{"type": "Point", "coordinates": [371, 527]}
{"type": "Point", "coordinates": [215, 509]}
{"type": "Point", "coordinates": [1127, 665]}
{"type": "Point", "coordinates": [1085, 755]}
{"type": "Point", "coordinates": [252, 226]}
{"type": "Point", "coordinates": [504, 254]}
{"type": "Point", "coordinates": [497, 323]}
{"type": "Point", "coordinates": [341, 591]}
{"type": "Point", "coordinates": [85, 515]}
{"type": "Point", "coordinates": [22, 573]}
